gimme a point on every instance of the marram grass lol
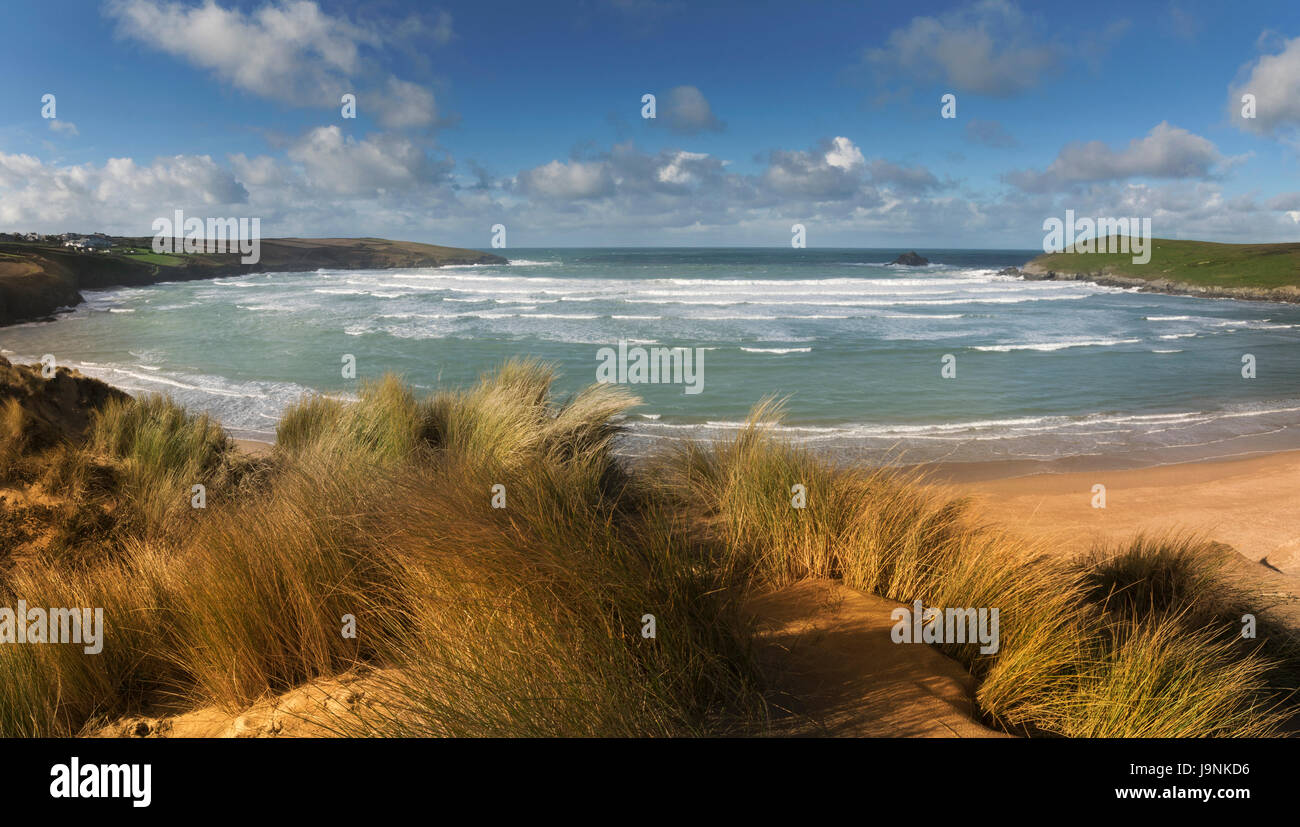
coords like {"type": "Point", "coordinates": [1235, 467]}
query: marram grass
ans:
{"type": "Point", "coordinates": [526, 620]}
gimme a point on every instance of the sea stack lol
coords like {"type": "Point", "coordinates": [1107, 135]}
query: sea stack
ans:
{"type": "Point", "coordinates": [911, 259]}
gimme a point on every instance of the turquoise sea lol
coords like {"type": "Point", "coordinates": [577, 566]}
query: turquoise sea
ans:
{"type": "Point", "coordinates": [1043, 369]}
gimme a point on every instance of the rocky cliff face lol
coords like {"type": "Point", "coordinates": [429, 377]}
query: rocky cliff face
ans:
{"type": "Point", "coordinates": [34, 288]}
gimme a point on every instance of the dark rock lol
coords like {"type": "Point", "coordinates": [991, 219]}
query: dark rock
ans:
{"type": "Point", "coordinates": [911, 259]}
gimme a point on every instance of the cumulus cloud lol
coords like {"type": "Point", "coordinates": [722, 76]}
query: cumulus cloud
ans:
{"type": "Point", "coordinates": [907, 179]}
{"type": "Point", "coordinates": [679, 180]}
{"type": "Point", "coordinates": [327, 183]}
{"type": "Point", "coordinates": [402, 104]}
{"type": "Point", "coordinates": [290, 51]}
{"type": "Point", "coordinates": [1274, 80]}
{"type": "Point", "coordinates": [681, 168]}
{"type": "Point", "coordinates": [567, 180]}
{"type": "Point", "coordinates": [836, 170]}
{"type": "Point", "coordinates": [339, 164]}
{"type": "Point", "coordinates": [1285, 201]}
{"type": "Point", "coordinates": [686, 111]}
{"type": "Point", "coordinates": [1165, 152]}
{"type": "Point", "coordinates": [121, 193]}
{"type": "Point", "coordinates": [843, 154]}
{"type": "Point", "coordinates": [989, 47]}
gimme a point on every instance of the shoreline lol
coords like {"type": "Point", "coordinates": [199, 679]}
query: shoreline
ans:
{"type": "Point", "coordinates": [1285, 295]}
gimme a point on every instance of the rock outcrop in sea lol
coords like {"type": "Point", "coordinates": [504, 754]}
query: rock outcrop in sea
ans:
{"type": "Point", "coordinates": [911, 259]}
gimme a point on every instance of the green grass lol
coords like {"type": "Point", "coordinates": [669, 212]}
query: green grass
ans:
{"type": "Point", "coordinates": [163, 259]}
{"type": "Point", "coordinates": [1201, 263]}
{"type": "Point", "coordinates": [163, 453]}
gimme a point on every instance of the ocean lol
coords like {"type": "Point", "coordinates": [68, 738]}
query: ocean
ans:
{"type": "Point", "coordinates": [855, 346]}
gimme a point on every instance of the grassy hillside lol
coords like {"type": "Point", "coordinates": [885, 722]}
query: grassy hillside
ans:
{"type": "Point", "coordinates": [37, 278]}
{"type": "Point", "coordinates": [1200, 264]}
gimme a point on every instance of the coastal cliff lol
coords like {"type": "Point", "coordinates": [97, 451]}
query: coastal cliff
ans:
{"type": "Point", "coordinates": [38, 279]}
{"type": "Point", "coordinates": [1253, 272]}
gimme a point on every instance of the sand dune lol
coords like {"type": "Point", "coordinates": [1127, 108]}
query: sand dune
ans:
{"type": "Point", "coordinates": [827, 649]}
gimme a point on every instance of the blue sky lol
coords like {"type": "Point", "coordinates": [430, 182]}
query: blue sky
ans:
{"type": "Point", "coordinates": [529, 115]}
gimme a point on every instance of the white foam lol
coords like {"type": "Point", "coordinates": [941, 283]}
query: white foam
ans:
{"type": "Point", "coordinates": [1049, 346]}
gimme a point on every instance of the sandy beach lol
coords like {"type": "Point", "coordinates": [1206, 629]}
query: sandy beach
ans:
{"type": "Point", "coordinates": [1245, 503]}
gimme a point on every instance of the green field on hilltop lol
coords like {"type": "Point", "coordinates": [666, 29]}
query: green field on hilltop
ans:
{"type": "Point", "coordinates": [162, 259]}
{"type": "Point", "coordinates": [1202, 263]}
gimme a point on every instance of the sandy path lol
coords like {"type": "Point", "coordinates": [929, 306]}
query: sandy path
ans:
{"type": "Point", "coordinates": [836, 671]}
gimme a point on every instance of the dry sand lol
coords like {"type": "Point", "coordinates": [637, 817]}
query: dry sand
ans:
{"type": "Point", "coordinates": [1249, 504]}
{"type": "Point", "coordinates": [253, 447]}
{"type": "Point", "coordinates": [836, 671]}
{"type": "Point", "coordinates": [323, 708]}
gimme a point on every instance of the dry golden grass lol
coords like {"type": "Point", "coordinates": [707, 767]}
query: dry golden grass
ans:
{"type": "Point", "coordinates": [526, 620]}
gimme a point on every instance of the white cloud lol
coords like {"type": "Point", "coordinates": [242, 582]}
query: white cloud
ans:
{"type": "Point", "coordinates": [290, 51]}
{"type": "Point", "coordinates": [339, 164]}
{"type": "Point", "coordinates": [387, 185]}
{"type": "Point", "coordinates": [989, 47]}
{"type": "Point", "coordinates": [907, 179]}
{"type": "Point", "coordinates": [1274, 80]}
{"type": "Point", "coordinates": [679, 169]}
{"type": "Point", "coordinates": [1165, 152]}
{"type": "Point", "coordinates": [571, 180]}
{"type": "Point", "coordinates": [402, 104]}
{"type": "Point", "coordinates": [121, 195]}
{"type": "Point", "coordinates": [834, 172]}
{"type": "Point", "coordinates": [843, 154]}
{"type": "Point", "coordinates": [65, 127]}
